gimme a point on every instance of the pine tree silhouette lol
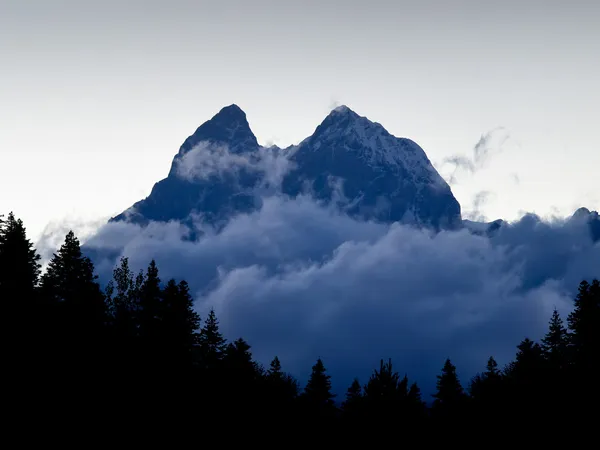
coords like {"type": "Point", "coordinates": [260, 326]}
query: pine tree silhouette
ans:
{"type": "Point", "coordinates": [180, 324]}
{"type": "Point", "coordinates": [450, 399]}
{"type": "Point", "coordinates": [211, 341]}
{"type": "Point", "coordinates": [353, 407]}
{"type": "Point", "coordinates": [23, 319]}
{"type": "Point", "coordinates": [317, 398]}
{"type": "Point", "coordinates": [19, 261]}
{"type": "Point", "coordinates": [584, 343]}
{"type": "Point", "coordinates": [555, 342]}
{"type": "Point", "coordinates": [78, 334]}
{"type": "Point", "coordinates": [70, 284]}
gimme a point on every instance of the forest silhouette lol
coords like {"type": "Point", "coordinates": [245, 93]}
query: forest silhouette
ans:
{"type": "Point", "coordinates": [135, 358]}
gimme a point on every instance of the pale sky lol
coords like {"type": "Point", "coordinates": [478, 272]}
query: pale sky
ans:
{"type": "Point", "coordinates": [97, 96]}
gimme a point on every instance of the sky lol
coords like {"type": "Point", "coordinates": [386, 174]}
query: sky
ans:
{"type": "Point", "coordinates": [97, 97]}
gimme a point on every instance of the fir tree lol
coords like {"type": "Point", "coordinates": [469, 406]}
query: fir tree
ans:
{"type": "Point", "coordinates": [180, 323]}
{"type": "Point", "coordinates": [525, 377]}
{"type": "Point", "coordinates": [584, 342]}
{"type": "Point", "coordinates": [19, 261]}
{"type": "Point", "coordinates": [211, 341]}
{"type": "Point", "coordinates": [240, 376]}
{"type": "Point", "coordinates": [555, 343]}
{"type": "Point", "coordinates": [487, 393]}
{"type": "Point", "coordinates": [19, 275]}
{"type": "Point", "coordinates": [529, 361]}
{"type": "Point", "coordinates": [353, 406]}
{"type": "Point", "coordinates": [353, 394]}
{"type": "Point", "coordinates": [317, 395]}
{"type": "Point", "coordinates": [282, 385]}
{"type": "Point", "coordinates": [123, 301]}
{"type": "Point", "coordinates": [23, 319]}
{"type": "Point", "coordinates": [416, 409]}
{"type": "Point", "coordinates": [584, 323]}
{"type": "Point", "coordinates": [78, 335]}
{"type": "Point", "coordinates": [274, 371]}
{"type": "Point", "coordinates": [450, 398]}
{"type": "Point", "coordinates": [238, 358]}
{"type": "Point", "coordinates": [414, 397]}
{"type": "Point", "coordinates": [383, 394]}
{"type": "Point", "coordinates": [70, 284]}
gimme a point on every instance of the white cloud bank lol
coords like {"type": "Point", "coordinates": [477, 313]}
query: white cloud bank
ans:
{"type": "Point", "coordinates": [301, 280]}
{"type": "Point", "coordinates": [207, 159]}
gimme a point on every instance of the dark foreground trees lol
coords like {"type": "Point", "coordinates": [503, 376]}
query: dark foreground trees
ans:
{"type": "Point", "coordinates": [136, 356]}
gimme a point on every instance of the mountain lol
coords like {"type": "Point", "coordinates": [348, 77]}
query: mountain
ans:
{"type": "Point", "coordinates": [192, 186]}
{"type": "Point", "coordinates": [382, 177]}
{"type": "Point", "coordinates": [221, 170]}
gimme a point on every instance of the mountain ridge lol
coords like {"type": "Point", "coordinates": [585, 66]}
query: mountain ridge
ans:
{"type": "Point", "coordinates": [348, 159]}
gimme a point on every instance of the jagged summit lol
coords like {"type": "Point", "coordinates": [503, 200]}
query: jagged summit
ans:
{"type": "Point", "coordinates": [343, 114]}
{"type": "Point", "coordinates": [348, 160]}
{"type": "Point", "coordinates": [228, 126]}
{"type": "Point", "coordinates": [342, 110]}
{"type": "Point", "coordinates": [382, 176]}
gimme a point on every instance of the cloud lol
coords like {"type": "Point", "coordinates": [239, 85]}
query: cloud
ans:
{"type": "Point", "coordinates": [301, 280]}
{"type": "Point", "coordinates": [208, 159]}
{"type": "Point", "coordinates": [476, 211]}
{"type": "Point", "coordinates": [489, 145]}
{"type": "Point", "coordinates": [53, 234]}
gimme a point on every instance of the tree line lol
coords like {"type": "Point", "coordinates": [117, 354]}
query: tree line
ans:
{"type": "Point", "coordinates": [136, 356]}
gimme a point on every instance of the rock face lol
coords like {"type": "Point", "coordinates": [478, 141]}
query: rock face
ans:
{"type": "Point", "coordinates": [221, 170]}
{"type": "Point", "coordinates": [204, 178]}
{"type": "Point", "coordinates": [351, 160]}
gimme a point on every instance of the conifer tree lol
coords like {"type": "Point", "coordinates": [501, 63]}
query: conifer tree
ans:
{"type": "Point", "coordinates": [353, 394]}
{"type": "Point", "coordinates": [238, 358]}
{"type": "Point", "coordinates": [123, 301]}
{"type": "Point", "coordinates": [317, 393]}
{"type": "Point", "coordinates": [211, 341]}
{"type": "Point", "coordinates": [416, 409]}
{"type": "Point", "coordinates": [526, 380]}
{"type": "Point", "coordinates": [78, 333]}
{"type": "Point", "coordinates": [23, 321]}
{"type": "Point", "coordinates": [450, 398]}
{"type": "Point", "coordinates": [22, 315]}
{"type": "Point", "coordinates": [487, 393]}
{"type": "Point", "coordinates": [584, 323]}
{"type": "Point", "coordinates": [384, 391]}
{"type": "Point", "coordinates": [528, 362]}
{"type": "Point", "coordinates": [414, 397]}
{"type": "Point", "coordinates": [240, 376]}
{"type": "Point", "coordinates": [282, 388]}
{"type": "Point", "coordinates": [180, 323]}
{"type": "Point", "coordinates": [19, 261]}
{"type": "Point", "coordinates": [584, 342]}
{"type": "Point", "coordinates": [353, 407]}
{"type": "Point", "coordinates": [555, 343]}
{"type": "Point", "coordinates": [70, 284]}
{"type": "Point", "coordinates": [274, 371]}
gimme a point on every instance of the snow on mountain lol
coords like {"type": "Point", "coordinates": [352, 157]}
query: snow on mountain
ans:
{"type": "Point", "coordinates": [221, 170]}
{"type": "Point", "coordinates": [379, 175]}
